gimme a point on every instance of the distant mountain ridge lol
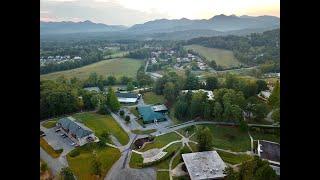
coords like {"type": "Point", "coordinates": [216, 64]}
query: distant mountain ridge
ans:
{"type": "Point", "coordinates": [169, 29]}
{"type": "Point", "coordinates": [65, 27]}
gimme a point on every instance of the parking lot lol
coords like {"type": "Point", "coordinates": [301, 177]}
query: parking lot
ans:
{"type": "Point", "coordinates": [55, 140]}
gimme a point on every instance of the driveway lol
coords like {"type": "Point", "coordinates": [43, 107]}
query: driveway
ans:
{"type": "Point", "coordinates": [54, 164]}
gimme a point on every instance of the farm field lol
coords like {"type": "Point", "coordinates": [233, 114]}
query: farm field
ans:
{"type": "Point", "coordinates": [222, 57]}
{"type": "Point", "coordinates": [117, 67]}
{"type": "Point", "coordinates": [100, 123]}
{"type": "Point", "coordinates": [81, 164]}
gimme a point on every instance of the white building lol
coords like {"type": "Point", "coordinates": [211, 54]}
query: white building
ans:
{"type": "Point", "coordinates": [128, 97]}
{"type": "Point", "coordinates": [204, 165]}
{"type": "Point", "coordinates": [209, 93]}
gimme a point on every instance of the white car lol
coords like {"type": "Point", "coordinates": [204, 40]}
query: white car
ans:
{"type": "Point", "coordinates": [73, 143]}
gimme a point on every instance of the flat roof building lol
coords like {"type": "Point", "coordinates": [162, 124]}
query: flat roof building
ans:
{"type": "Point", "coordinates": [269, 151]}
{"type": "Point", "coordinates": [204, 165]}
{"type": "Point", "coordinates": [127, 97]}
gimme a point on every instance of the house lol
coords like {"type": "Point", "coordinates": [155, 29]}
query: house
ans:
{"type": "Point", "coordinates": [77, 132]}
{"type": "Point", "coordinates": [148, 115]}
{"type": "Point", "coordinates": [96, 89]}
{"type": "Point", "coordinates": [125, 97]}
{"type": "Point", "coordinates": [209, 93]}
{"type": "Point", "coordinates": [264, 95]}
{"type": "Point", "coordinates": [204, 165]}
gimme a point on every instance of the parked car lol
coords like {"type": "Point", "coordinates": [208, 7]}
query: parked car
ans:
{"type": "Point", "coordinates": [57, 130]}
{"type": "Point", "coordinates": [73, 144]}
{"type": "Point", "coordinates": [64, 136]}
{"type": "Point", "coordinates": [42, 134]}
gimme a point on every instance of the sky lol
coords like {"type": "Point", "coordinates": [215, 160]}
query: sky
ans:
{"type": "Point", "coordinates": [130, 12]}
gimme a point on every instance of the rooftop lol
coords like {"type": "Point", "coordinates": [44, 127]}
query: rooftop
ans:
{"type": "Point", "coordinates": [269, 150]}
{"type": "Point", "coordinates": [126, 95]}
{"type": "Point", "coordinates": [159, 108]}
{"type": "Point", "coordinates": [74, 127]}
{"type": "Point", "coordinates": [149, 115]}
{"type": "Point", "coordinates": [209, 93]}
{"type": "Point", "coordinates": [204, 165]}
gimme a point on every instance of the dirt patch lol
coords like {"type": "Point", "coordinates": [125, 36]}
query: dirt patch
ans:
{"type": "Point", "coordinates": [139, 143]}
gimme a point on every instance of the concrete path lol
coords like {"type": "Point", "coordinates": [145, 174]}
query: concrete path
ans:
{"type": "Point", "coordinates": [115, 140]}
{"type": "Point", "coordinates": [54, 164]}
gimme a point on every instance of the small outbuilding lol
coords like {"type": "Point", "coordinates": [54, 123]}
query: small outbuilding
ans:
{"type": "Point", "coordinates": [125, 97]}
{"type": "Point", "coordinates": [148, 115]}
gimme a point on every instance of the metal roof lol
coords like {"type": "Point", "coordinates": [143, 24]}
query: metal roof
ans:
{"type": "Point", "coordinates": [148, 114]}
{"type": "Point", "coordinates": [74, 127]}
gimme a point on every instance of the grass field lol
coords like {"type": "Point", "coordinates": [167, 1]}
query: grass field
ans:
{"type": "Point", "coordinates": [265, 136]}
{"type": "Point", "coordinates": [222, 57]}
{"type": "Point", "coordinates": [136, 160]}
{"type": "Point", "coordinates": [163, 175]}
{"type": "Point", "coordinates": [100, 123]}
{"type": "Point", "coordinates": [152, 98]}
{"type": "Point", "coordinates": [229, 138]}
{"type": "Point", "coordinates": [134, 111]}
{"type": "Point", "coordinates": [50, 123]}
{"type": "Point", "coordinates": [45, 146]}
{"type": "Point", "coordinates": [138, 131]}
{"type": "Point", "coordinates": [232, 158]}
{"type": "Point", "coordinates": [161, 141]}
{"type": "Point", "coordinates": [81, 165]}
{"type": "Point", "coordinates": [117, 67]}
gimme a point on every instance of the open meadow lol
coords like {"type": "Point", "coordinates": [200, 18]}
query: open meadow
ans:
{"type": "Point", "coordinates": [117, 67]}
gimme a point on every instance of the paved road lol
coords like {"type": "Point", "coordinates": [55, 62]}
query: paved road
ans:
{"type": "Point", "coordinates": [54, 164]}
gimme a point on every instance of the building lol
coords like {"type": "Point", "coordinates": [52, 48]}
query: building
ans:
{"type": "Point", "coordinates": [96, 89]}
{"type": "Point", "coordinates": [270, 151]}
{"type": "Point", "coordinates": [209, 93]}
{"type": "Point", "coordinates": [148, 115]}
{"type": "Point", "coordinates": [160, 108]}
{"type": "Point", "coordinates": [204, 165]}
{"type": "Point", "coordinates": [77, 132]}
{"type": "Point", "coordinates": [125, 97]}
{"type": "Point", "coordinates": [264, 95]}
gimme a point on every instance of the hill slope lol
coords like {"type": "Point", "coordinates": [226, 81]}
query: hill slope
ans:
{"type": "Point", "coordinates": [117, 67]}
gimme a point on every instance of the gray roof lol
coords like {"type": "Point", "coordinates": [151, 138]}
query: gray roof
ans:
{"type": "Point", "coordinates": [161, 107]}
{"type": "Point", "coordinates": [74, 127]}
{"type": "Point", "coordinates": [126, 95]}
{"type": "Point", "coordinates": [204, 165]}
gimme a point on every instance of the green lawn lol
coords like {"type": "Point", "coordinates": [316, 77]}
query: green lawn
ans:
{"type": "Point", "coordinates": [50, 123]}
{"type": "Point", "coordinates": [221, 56]}
{"type": "Point", "coordinates": [138, 131]}
{"type": "Point", "coordinates": [117, 67]}
{"type": "Point", "coordinates": [81, 165]}
{"type": "Point", "coordinates": [178, 159]}
{"type": "Point", "coordinates": [45, 146]}
{"type": "Point", "coordinates": [100, 123]}
{"type": "Point", "coordinates": [136, 160]}
{"type": "Point", "coordinates": [163, 175]}
{"type": "Point", "coordinates": [227, 137]}
{"type": "Point", "coordinates": [134, 111]}
{"type": "Point", "coordinates": [232, 158]}
{"type": "Point", "coordinates": [265, 136]}
{"type": "Point", "coordinates": [165, 164]}
{"type": "Point", "coordinates": [161, 141]}
{"type": "Point", "coordinates": [152, 98]}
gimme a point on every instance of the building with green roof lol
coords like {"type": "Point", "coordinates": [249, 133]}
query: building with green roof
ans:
{"type": "Point", "coordinates": [148, 115]}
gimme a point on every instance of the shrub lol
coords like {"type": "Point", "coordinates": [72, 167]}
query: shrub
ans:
{"type": "Point", "coordinates": [127, 118]}
{"type": "Point", "coordinates": [67, 174]}
{"type": "Point", "coordinates": [74, 153]}
{"type": "Point", "coordinates": [59, 151]}
{"type": "Point", "coordinates": [44, 167]}
{"type": "Point", "coordinates": [121, 113]}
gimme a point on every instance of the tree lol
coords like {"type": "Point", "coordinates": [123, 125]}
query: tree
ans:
{"type": "Point", "coordinates": [197, 104]}
{"type": "Point", "coordinates": [96, 168]}
{"type": "Point", "coordinates": [181, 109]}
{"type": "Point", "coordinates": [208, 110]}
{"type": "Point", "coordinates": [213, 64]}
{"type": "Point", "coordinates": [121, 113]}
{"type": "Point", "coordinates": [111, 80]}
{"type": "Point", "coordinates": [262, 85]}
{"type": "Point", "coordinates": [192, 82]}
{"type": "Point", "coordinates": [231, 174]}
{"type": "Point", "coordinates": [211, 83]}
{"type": "Point", "coordinates": [170, 92]}
{"type": "Point", "coordinates": [44, 167]}
{"type": "Point", "coordinates": [260, 111]}
{"type": "Point", "coordinates": [217, 111]}
{"type": "Point", "coordinates": [205, 139]}
{"type": "Point", "coordinates": [127, 118]}
{"type": "Point", "coordinates": [93, 79]}
{"type": "Point", "coordinates": [67, 174]}
{"type": "Point", "coordinates": [130, 86]}
{"type": "Point", "coordinates": [276, 115]}
{"type": "Point", "coordinates": [274, 99]}
{"type": "Point", "coordinates": [112, 100]}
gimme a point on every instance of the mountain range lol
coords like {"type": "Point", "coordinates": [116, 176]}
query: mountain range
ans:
{"type": "Point", "coordinates": [169, 29]}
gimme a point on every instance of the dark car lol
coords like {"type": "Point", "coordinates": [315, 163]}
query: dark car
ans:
{"type": "Point", "coordinates": [57, 130]}
{"type": "Point", "coordinates": [42, 134]}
